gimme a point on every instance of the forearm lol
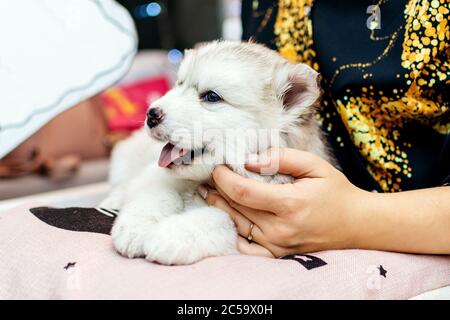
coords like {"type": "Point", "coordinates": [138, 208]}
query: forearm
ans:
{"type": "Point", "coordinates": [414, 221]}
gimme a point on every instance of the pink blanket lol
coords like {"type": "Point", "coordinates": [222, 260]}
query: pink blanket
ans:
{"type": "Point", "coordinates": [67, 254]}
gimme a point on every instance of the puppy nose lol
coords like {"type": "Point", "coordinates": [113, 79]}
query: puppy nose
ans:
{"type": "Point", "coordinates": [154, 117]}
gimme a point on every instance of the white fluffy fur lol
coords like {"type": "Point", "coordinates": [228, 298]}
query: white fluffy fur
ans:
{"type": "Point", "coordinates": [161, 216]}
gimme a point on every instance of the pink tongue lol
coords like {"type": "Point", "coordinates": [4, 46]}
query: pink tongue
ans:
{"type": "Point", "coordinates": [169, 154]}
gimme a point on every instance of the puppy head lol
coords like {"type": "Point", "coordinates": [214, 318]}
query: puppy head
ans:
{"type": "Point", "coordinates": [228, 95]}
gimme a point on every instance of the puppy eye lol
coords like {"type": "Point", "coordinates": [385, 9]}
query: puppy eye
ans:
{"type": "Point", "coordinates": [210, 96]}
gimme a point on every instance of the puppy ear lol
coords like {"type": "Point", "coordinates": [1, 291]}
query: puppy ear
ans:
{"type": "Point", "coordinates": [297, 87]}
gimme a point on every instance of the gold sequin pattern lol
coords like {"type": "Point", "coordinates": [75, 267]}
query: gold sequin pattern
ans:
{"type": "Point", "coordinates": [293, 31]}
{"type": "Point", "coordinates": [375, 119]}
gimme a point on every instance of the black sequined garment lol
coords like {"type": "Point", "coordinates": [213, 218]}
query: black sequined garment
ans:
{"type": "Point", "coordinates": [385, 66]}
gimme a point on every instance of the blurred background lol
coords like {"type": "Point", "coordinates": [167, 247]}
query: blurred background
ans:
{"type": "Point", "coordinates": [183, 23]}
{"type": "Point", "coordinates": [60, 155]}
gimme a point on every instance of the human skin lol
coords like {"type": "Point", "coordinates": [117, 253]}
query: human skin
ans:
{"type": "Point", "coordinates": [322, 210]}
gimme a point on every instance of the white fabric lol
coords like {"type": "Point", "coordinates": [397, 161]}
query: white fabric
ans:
{"type": "Point", "coordinates": [54, 54]}
{"type": "Point", "coordinates": [437, 294]}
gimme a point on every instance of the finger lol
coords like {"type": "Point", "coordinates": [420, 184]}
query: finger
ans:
{"type": "Point", "coordinates": [252, 248]}
{"type": "Point", "coordinates": [267, 250]}
{"type": "Point", "coordinates": [243, 225]}
{"type": "Point", "coordinates": [247, 192]}
{"type": "Point", "coordinates": [210, 182]}
{"type": "Point", "coordinates": [296, 163]}
{"type": "Point", "coordinates": [262, 218]}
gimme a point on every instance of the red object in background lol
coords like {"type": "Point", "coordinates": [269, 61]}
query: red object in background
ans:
{"type": "Point", "coordinates": [125, 106]}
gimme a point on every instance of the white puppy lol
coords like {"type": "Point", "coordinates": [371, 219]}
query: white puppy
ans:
{"type": "Point", "coordinates": [231, 100]}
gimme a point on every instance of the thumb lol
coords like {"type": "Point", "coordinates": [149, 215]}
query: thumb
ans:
{"type": "Point", "coordinates": [296, 163]}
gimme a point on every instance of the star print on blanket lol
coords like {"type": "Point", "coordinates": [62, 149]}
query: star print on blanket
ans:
{"type": "Point", "coordinates": [68, 253]}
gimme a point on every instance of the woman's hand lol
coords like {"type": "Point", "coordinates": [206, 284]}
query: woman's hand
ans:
{"type": "Point", "coordinates": [322, 210]}
{"type": "Point", "coordinates": [313, 213]}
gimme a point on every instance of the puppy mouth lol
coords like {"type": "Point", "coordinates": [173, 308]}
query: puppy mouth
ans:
{"type": "Point", "coordinates": [172, 155]}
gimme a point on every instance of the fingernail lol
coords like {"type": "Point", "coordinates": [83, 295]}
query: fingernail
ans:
{"type": "Point", "coordinates": [202, 191]}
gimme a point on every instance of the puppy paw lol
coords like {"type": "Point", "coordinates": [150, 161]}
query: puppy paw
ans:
{"type": "Point", "coordinates": [190, 237]}
{"type": "Point", "coordinates": [168, 252]}
{"type": "Point", "coordinates": [128, 237]}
